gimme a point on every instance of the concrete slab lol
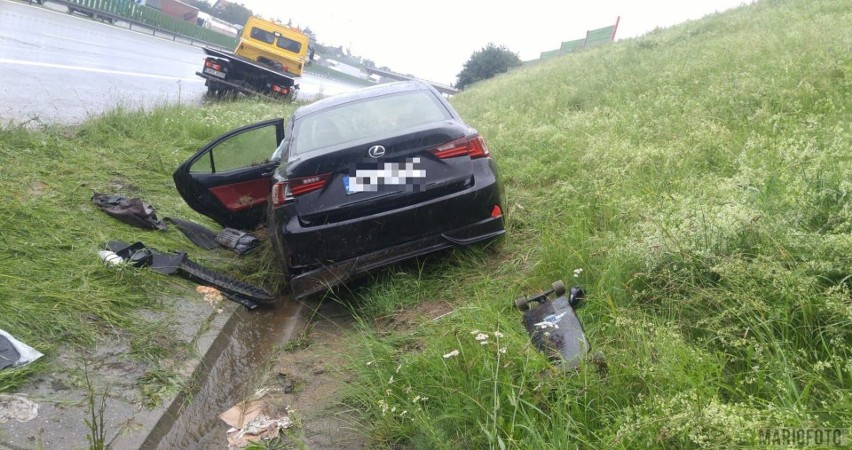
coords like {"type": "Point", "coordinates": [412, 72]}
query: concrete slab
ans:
{"type": "Point", "coordinates": [65, 401]}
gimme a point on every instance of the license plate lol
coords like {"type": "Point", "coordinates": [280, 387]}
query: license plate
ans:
{"type": "Point", "coordinates": [387, 174]}
{"type": "Point", "coordinates": [214, 72]}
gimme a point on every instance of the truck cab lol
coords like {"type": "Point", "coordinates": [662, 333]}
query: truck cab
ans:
{"type": "Point", "coordinates": [273, 45]}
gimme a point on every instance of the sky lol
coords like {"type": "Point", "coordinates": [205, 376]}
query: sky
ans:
{"type": "Point", "coordinates": [432, 40]}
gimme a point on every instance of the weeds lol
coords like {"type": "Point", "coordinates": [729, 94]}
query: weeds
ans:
{"type": "Point", "coordinates": [97, 403]}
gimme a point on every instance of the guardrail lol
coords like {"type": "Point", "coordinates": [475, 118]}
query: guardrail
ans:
{"type": "Point", "coordinates": [326, 72]}
{"type": "Point", "coordinates": [128, 11]}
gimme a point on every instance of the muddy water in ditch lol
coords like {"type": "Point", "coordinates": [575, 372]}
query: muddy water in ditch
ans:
{"type": "Point", "coordinates": [234, 363]}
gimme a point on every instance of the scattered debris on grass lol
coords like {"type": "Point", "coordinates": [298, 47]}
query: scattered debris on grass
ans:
{"type": "Point", "coordinates": [132, 211]}
{"type": "Point", "coordinates": [14, 353]}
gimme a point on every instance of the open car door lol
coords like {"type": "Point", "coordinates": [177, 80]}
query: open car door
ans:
{"type": "Point", "coordinates": [229, 180]}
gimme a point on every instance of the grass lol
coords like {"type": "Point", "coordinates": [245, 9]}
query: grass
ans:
{"type": "Point", "coordinates": [699, 176]}
{"type": "Point", "coordinates": [55, 293]}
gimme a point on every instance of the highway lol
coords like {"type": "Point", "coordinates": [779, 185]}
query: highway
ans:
{"type": "Point", "coordinates": [62, 68]}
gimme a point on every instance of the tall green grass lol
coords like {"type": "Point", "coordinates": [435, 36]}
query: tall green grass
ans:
{"type": "Point", "coordinates": [702, 177]}
{"type": "Point", "coordinates": [55, 294]}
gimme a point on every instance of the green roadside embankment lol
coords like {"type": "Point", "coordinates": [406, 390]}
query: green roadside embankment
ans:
{"type": "Point", "coordinates": [701, 176]}
{"type": "Point", "coordinates": [698, 175]}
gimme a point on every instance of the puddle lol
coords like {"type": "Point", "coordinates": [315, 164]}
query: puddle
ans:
{"type": "Point", "coordinates": [236, 360]}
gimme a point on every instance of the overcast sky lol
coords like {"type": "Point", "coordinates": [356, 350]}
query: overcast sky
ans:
{"type": "Point", "coordinates": [434, 39]}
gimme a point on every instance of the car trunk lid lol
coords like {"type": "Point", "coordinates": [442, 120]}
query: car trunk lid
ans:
{"type": "Point", "coordinates": [372, 176]}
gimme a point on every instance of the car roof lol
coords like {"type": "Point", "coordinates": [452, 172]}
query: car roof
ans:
{"type": "Point", "coordinates": [360, 94]}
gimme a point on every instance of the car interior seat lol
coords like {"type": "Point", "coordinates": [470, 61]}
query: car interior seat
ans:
{"type": "Point", "coordinates": [325, 133]}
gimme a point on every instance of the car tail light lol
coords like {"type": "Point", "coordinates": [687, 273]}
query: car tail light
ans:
{"type": "Point", "coordinates": [474, 147]}
{"type": "Point", "coordinates": [496, 212]}
{"type": "Point", "coordinates": [212, 65]}
{"type": "Point", "coordinates": [284, 191]}
{"type": "Point", "coordinates": [280, 89]}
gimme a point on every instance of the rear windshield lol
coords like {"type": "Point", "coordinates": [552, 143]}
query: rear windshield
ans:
{"type": "Point", "coordinates": [289, 44]}
{"type": "Point", "coordinates": [262, 35]}
{"type": "Point", "coordinates": [374, 117]}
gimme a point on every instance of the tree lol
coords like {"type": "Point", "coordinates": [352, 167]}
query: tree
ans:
{"type": "Point", "coordinates": [202, 5]}
{"type": "Point", "coordinates": [234, 13]}
{"type": "Point", "coordinates": [486, 63]}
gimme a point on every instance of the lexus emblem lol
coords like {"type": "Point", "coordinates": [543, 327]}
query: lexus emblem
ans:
{"type": "Point", "coordinates": [376, 151]}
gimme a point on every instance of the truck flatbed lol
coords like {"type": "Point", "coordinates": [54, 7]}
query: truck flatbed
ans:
{"type": "Point", "coordinates": [231, 56]}
{"type": "Point", "coordinates": [244, 76]}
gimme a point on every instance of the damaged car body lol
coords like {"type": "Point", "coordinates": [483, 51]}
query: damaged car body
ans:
{"type": "Point", "coordinates": [352, 183]}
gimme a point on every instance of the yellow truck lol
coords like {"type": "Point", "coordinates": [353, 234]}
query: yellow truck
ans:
{"type": "Point", "coordinates": [268, 60]}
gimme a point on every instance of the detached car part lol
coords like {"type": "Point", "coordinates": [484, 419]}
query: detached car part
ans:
{"type": "Point", "coordinates": [139, 255]}
{"type": "Point", "coordinates": [553, 324]}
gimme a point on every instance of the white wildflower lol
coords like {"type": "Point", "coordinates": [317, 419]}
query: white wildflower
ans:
{"type": "Point", "coordinates": [577, 272]}
{"type": "Point", "coordinates": [502, 350]}
{"type": "Point", "coordinates": [451, 354]}
{"type": "Point", "coordinates": [498, 334]}
{"type": "Point", "coordinates": [481, 337]}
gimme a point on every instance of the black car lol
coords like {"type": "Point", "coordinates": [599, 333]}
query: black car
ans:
{"type": "Point", "coordinates": [352, 183]}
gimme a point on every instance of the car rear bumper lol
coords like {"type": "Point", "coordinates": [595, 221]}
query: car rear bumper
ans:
{"type": "Point", "coordinates": [326, 277]}
{"type": "Point", "coordinates": [309, 247]}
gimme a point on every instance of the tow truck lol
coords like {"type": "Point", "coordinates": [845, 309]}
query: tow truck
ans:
{"type": "Point", "coordinates": [268, 60]}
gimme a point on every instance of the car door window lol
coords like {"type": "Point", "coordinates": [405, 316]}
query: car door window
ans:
{"type": "Point", "coordinates": [249, 148]}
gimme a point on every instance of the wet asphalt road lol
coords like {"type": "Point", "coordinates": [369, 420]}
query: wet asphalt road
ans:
{"type": "Point", "coordinates": [56, 67]}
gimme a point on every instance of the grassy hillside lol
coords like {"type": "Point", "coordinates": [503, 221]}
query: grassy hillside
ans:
{"type": "Point", "coordinates": [701, 176]}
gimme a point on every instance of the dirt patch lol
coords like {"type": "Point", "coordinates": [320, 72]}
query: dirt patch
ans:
{"type": "Point", "coordinates": [312, 379]}
{"type": "Point", "coordinates": [120, 183]}
{"type": "Point", "coordinates": [409, 318]}
{"type": "Point", "coordinates": [306, 383]}
{"type": "Point", "coordinates": [307, 379]}
{"type": "Point", "coordinates": [37, 189]}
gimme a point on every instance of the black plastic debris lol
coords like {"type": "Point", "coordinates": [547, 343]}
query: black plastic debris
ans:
{"type": "Point", "coordinates": [14, 353]}
{"type": "Point", "coordinates": [230, 238]}
{"type": "Point", "coordinates": [8, 353]}
{"type": "Point", "coordinates": [236, 240]}
{"type": "Point", "coordinates": [195, 232]}
{"type": "Point", "coordinates": [138, 255]}
{"type": "Point", "coordinates": [248, 303]}
{"type": "Point", "coordinates": [553, 324]}
{"type": "Point", "coordinates": [129, 210]}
